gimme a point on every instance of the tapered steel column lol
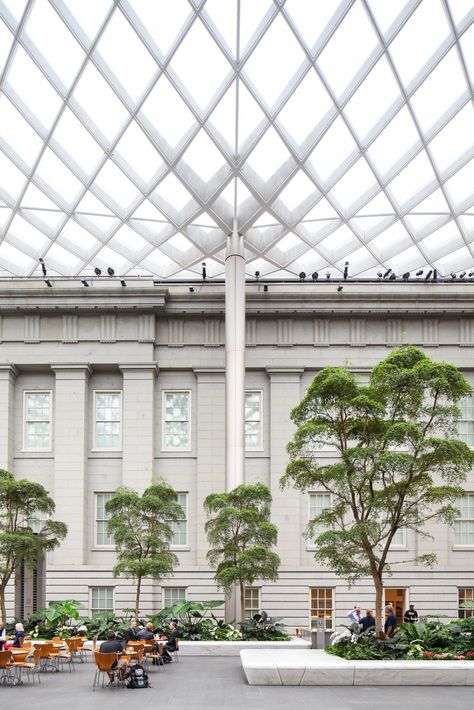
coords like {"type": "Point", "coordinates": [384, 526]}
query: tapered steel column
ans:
{"type": "Point", "coordinates": [235, 360]}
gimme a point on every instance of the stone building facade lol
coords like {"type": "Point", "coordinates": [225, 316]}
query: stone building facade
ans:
{"type": "Point", "coordinates": [106, 385]}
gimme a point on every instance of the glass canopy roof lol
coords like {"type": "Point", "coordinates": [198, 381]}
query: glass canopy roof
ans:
{"type": "Point", "coordinates": [133, 133]}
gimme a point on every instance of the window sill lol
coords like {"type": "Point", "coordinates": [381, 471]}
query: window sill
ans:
{"type": "Point", "coordinates": [462, 547]}
{"type": "Point", "coordinates": [180, 548]}
{"type": "Point", "coordinates": [103, 548]}
{"type": "Point", "coordinates": [36, 451]}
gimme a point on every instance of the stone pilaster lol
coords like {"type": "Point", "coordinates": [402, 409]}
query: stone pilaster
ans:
{"type": "Point", "coordinates": [70, 458]}
{"type": "Point", "coordinates": [138, 422]}
{"type": "Point", "coordinates": [210, 420]}
{"type": "Point", "coordinates": [8, 375]}
{"type": "Point", "coordinates": [285, 393]}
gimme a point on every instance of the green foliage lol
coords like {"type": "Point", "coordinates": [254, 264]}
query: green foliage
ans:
{"type": "Point", "coordinates": [58, 614]}
{"type": "Point", "coordinates": [433, 640]}
{"type": "Point", "coordinates": [140, 526]}
{"type": "Point", "coordinates": [22, 502]}
{"type": "Point", "coordinates": [399, 464]}
{"type": "Point", "coordinates": [258, 628]}
{"type": "Point", "coordinates": [241, 536]}
{"type": "Point", "coordinates": [193, 622]}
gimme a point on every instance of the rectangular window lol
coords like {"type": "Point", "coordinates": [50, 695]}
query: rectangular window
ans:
{"type": "Point", "coordinates": [464, 525]}
{"type": "Point", "coordinates": [37, 421]}
{"type": "Point", "coordinates": [251, 601]}
{"type": "Point", "coordinates": [253, 421]}
{"type": "Point", "coordinates": [399, 539]}
{"type": "Point", "coordinates": [102, 599]}
{"type": "Point", "coordinates": [466, 598]}
{"type": "Point", "coordinates": [173, 595]}
{"type": "Point", "coordinates": [322, 607]}
{"type": "Point", "coordinates": [466, 420]}
{"type": "Point", "coordinates": [176, 422]}
{"type": "Point", "coordinates": [102, 537]}
{"type": "Point", "coordinates": [318, 503]}
{"type": "Point", "coordinates": [180, 527]}
{"type": "Point", "coordinates": [108, 407]}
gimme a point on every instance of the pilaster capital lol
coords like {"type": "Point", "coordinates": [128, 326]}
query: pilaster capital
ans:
{"type": "Point", "coordinates": [137, 371]}
{"type": "Point", "coordinates": [8, 372]}
{"type": "Point", "coordinates": [213, 375]}
{"type": "Point", "coordinates": [286, 375]}
{"type": "Point", "coordinates": [72, 372]}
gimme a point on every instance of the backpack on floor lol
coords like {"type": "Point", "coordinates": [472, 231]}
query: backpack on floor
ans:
{"type": "Point", "coordinates": [137, 678]}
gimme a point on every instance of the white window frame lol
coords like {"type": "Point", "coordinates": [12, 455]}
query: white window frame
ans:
{"type": "Point", "coordinates": [166, 589]}
{"type": "Point", "coordinates": [460, 545]}
{"type": "Point", "coordinates": [25, 422]}
{"type": "Point", "coordinates": [184, 545]}
{"type": "Point", "coordinates": [96, 446]}
{"type": "Point", "coordinates": [100, 586]}
{"type": "Point", "coordinates": [466, 612]}
{"type": "Point", "coordinates": [470, 396]}
{"type": "Point", "coordinates": [97, 545]}
{"type": "Point", "coordinates": [248, 613]}
{"type": "Point", "coordinates": [260, 447]}
{"type": "Point", "coordinates": [333, 607]}
{"type": "Point", "coordinates": [163, 420]}
{"type": "Point", "coordinates": [400, 545]}
{"type": "Point", "coordinates": [310, 545]}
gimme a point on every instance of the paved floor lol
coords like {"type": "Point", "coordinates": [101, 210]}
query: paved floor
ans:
{"type": "Point", "coordinates": [207, 683]}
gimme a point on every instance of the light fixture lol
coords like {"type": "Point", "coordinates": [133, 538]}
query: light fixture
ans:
{"type": "Point", "coordinates": [428, 275]}
{"type": "Point", "coordinates": [463, 275]}
{"type": "Point", "coordinates": [122, 282]}
{"type": "Point", "coordinates": [48, 283]}
{"type": "Point", "coordinates": [471, 274]}
{"type": "Point", "coordinates": [420, 272]}
{"type": "Point", "coordinates": [328, 275]}
{"type": "Point", "coordinates": [257, 275]}
{"type": "Point", "coordinates": [265, 287]}
{"type": "Point", "coordinates": [97, 271]}
{"type": "Point", "coordinates": [435, 275]}
{"type": "Point", "coordinates": [346, 270]}
{"type": "Point", "coordinates": [339, 288]}
{"type": "Point", "coordinates": [392, 276]}
{"type": "Point", "coordinates": [191, 289]}
{"type": "Point", "coordinates": [453, 275]}
{"type": "Point", "coordinates": [204, 272]}
{"type": "Point", "coordinates": [386, 274]}
{"type": "Point", "coordinates": [110, 271]}
{"type": "Point", "coordinates": [43, 267]}
{"type": "Point", "coordinates": [84, 283]}
{"type": "Point", "coordinates": [406, 276]}
{"type": "Point", "coordinates": [379, 274]}
{"type": "Point", "coordinates": [315, 276]}
{"type": "Point", "coordinates": [302, 275]}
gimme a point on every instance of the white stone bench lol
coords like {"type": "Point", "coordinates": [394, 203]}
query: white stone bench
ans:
{"type": "Point", "coordinates": [314, 667]}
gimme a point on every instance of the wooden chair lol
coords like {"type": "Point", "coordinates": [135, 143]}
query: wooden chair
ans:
{"type": "Point", "coordinates": [5, 667]}
{"type": "Point", "coordinates": [57, 639]}
{"type": "Point", "coordinates": [46, 663]}
{"type": "Point", "coordinates": [176, 649]}
{"type": "Point", "coordinates": [156, 657]}
{"type": "Point", "coordinates": [85, 651]}
{"type": "Point", "coordinates": [103, 664]}
{"type": "Point", "coordinates": [31, 667]}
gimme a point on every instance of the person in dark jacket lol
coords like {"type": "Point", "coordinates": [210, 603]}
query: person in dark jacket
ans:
{"type": "Point", "coordinates": [390, 620]}
{"type": "Point", "coordinates": [131, 634]}
{"type": "Point", "coordinates": [170, 645]}
{"type": "Point", "coordinates": [367, 621]}
{"type": "Point", "coordinates": [112, 645]}
{"type": "Point", "coordinates": [147, 634]}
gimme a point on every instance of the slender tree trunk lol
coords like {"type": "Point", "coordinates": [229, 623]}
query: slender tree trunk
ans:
{"type": "Point", "coordinates": [2, 604]}
{"type": "Point", "coordinates": [242, 601]}
{"type": "Point", "coordinates": [378, 601]}
{"type": "Point", "coordinates": [137, 596]}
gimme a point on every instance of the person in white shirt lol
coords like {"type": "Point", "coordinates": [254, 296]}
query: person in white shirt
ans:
{"type": "Point", "coordinates": [354, 616]}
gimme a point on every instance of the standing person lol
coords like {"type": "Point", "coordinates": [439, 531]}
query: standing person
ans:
{"type": "Point", "coordinates": [390, 620]}
{"type": "Point", "coordinates": [367, 621]}
{"type": "Point", "coordinates": [170, 645]}
{"type": "Point", "coordinates": [3, 635]}
{"type": "Point", "coordinates": [131, 634]}
{"type": "Point", "coordinates": [411, 614]}
{"type": "Point", "coordinates": [354, 616]}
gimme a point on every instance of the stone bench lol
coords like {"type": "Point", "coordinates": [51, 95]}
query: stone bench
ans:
{"type": "Point", "coordinates": [314, 667]}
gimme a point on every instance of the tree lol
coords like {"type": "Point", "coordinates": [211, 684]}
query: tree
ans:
{"type": "Point", "coordinates": [141, 528]}
{"type": "Point", "coordinates": [240, 536]}
{"type": "Point", "coordinates": [399, 464]}
{"type": "Point", "coordinates": [23, 503]}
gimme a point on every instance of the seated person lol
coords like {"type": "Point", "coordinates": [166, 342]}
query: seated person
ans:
{"type": "Point", "coordinates": [112, 645]}
{"type": "Point", "coordinates": [19, 635]}
{"type": "Point", "coordinates": [3, 635]}
{"type": "Point", "coordinates": [170, 645]}
{"type": "Point", "coordinates": [131, 634]}
{"type": "Point", "coordinates": [147, 634]}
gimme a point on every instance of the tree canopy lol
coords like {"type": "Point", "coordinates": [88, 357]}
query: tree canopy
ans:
{"type": "Point", "coordinates": [23, 504]}
{"type": "Point", "coordinates": [240, 536]}
{"type": "Point", "coordinates": [399, 463]}
{"type": "Point", "coordinates": [142, 532]}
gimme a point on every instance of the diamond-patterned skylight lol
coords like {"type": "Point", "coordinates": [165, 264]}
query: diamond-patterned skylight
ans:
{"type": "Point", "coordinates": [133, 133]}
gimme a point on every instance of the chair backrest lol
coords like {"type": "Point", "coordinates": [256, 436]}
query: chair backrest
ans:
{"type": "Point", "coordinates": [148, 647]}
{"type": "Point", "coordinates": [104, 661]}
{"type": "Point", "coordinates": [21, 641]}
{"type": "Point", "coordinates": [57, 639]}
{"type": "Point", "coordinates": [140, 651]}
{"type": "Point", "coordinates": [27, 644]}
{"type": "Point", "coordinates": [45, 649]}
{"type": "Point", "coordinates": [5, 657]}
{"type": "Point", "coordinates": [71, 644]}
{"type": "Point", "coordinates": [36, 655]}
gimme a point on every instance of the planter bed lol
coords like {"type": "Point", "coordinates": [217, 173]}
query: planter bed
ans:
{"type": "Point", "coordinates": [231, 648]}
{"type": "Point", "coordinates": [314, 667]}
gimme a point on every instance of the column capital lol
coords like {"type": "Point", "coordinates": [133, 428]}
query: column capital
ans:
{"type": "Point", "coordinates": [8, 372]}
{"type": "Point", "coordinates": [71, 372]}
{"type": "Point", "coordinates": [214, 373]}
{"type": "Point", "coordinates": [284, 374]}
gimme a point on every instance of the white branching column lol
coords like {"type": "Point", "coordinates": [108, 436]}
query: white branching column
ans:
{"type": "Point", "coordinates": [235, 360]}
{"type": "Point", "coordinates": [234, 378]}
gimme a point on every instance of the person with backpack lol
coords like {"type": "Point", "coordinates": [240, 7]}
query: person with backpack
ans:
{"type": "Point", "coordinates": [112, 645]}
